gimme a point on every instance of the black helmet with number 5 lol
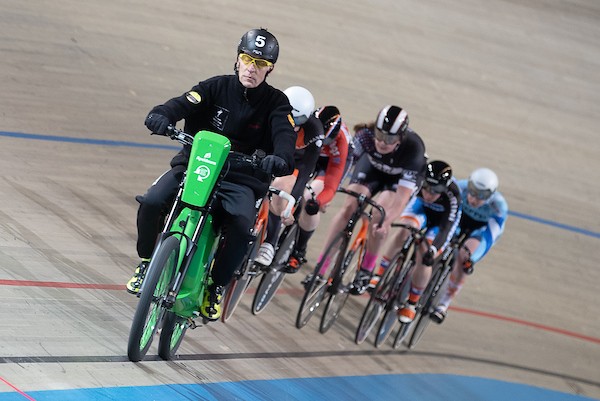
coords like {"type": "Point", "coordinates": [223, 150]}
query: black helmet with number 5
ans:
{"type": "Point", "coordinates": [259, 43]}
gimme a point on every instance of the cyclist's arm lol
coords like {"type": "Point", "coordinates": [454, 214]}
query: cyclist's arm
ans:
{"type": "Point", "coordinates": [493, 230]}
{"type": "Point", "coordinates": [334, 171]}
{"type": "Point", "coordinates": [449, 221]}
{"type": "Point", "coordinates": [283, 135]}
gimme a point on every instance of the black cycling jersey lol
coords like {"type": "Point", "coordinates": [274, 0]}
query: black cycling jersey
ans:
{"type": "Point", "coordinates": [404, 166]}
{"type": "Point", "coordinates": [257, 118]}
{"type": "Point", "coordinates": [445, 213]}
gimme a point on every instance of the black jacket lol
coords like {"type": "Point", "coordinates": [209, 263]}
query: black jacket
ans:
{"type": "Point", "coordinates": [257, 118]}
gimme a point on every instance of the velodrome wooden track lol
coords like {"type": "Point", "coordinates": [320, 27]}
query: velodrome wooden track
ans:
{"type": "Point", "coordinates": [511, 85]}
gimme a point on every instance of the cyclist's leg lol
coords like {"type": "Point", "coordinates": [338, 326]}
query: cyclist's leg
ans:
{"type": "Point", "coordinates": [307, 224]}
{"type": "Point", "coordinates": [419, 280]}
{"type": "Point", "coordinates": [235, 215]}
{"type": "Point", "coordinates": [276, 207]}
{"type": "Point", "coordinates": [456, 280]}
{"type": "Point", "coordinates": [414, 216]}
{"type": "Point", "coordinates": [150, 218]}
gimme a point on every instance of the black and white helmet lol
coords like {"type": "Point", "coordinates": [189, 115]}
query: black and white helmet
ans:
{"type": "Point", "coordinates": [392, 122]}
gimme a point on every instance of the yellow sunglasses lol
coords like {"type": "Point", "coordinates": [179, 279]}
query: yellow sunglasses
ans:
{"type": "Point", "coordinates": [258, 62]}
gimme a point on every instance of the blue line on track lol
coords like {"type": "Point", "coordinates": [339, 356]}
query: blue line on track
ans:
{"type": "Point", "coordinates": [554, 224]}
{"type": "Point", "coordinates": [87, 141]}
{"type": "Point", "coordinates": [404, 387]}
{"type": "Point", "coordinates": [170, 147]}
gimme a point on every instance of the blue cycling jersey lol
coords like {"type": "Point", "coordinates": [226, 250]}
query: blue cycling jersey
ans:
{"type": "Point", "coordinates": [486, 221]}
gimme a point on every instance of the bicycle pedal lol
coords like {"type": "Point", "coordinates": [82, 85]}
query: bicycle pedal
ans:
{"type": "Point", "coordinates": [191, 323]}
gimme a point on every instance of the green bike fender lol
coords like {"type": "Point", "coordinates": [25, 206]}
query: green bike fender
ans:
{"type": "Point", "coordinates": [208, 154]}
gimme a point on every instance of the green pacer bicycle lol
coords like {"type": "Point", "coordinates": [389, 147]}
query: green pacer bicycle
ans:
{"type": "Point", "coordinates": [173, 288]}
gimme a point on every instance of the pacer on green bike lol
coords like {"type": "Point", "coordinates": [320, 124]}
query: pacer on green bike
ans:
{"type": "Point", "coordinates": [252, 115]}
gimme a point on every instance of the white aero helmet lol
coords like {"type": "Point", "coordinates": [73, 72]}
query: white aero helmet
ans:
{"type": "Point", "coordinates": [302, 101]}
{"type": "Point", "coordinates": [483, 182]}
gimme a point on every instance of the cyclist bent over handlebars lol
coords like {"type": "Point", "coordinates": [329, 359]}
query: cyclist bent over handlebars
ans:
{"type": "Point", "coordinates": [390, 162]}
{"type": "Point", "coordinates": [253, 115]}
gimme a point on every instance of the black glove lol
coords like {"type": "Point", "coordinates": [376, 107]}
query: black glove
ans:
{"type": "Point", "coordinates": [157, 123]}
{"type": "Point", "coordinates": [468, 266]}
{"type": "Point", "coordinates": [429, 257]}
{"type": "Point", "coordinates": [312, 207]}
{"type": "Point", "coordinates": [273, 165]}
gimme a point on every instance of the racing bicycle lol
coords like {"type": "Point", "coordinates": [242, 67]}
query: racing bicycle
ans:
{"type": "Point", "coordinates": [392, 286]}
{"type": "Point", "coordinates": [250, 270]}
{"type": "Point", "coordinates": [341, 262]}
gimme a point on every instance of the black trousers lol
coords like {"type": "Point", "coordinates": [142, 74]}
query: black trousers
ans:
{"type": "Point", "coordinates": [234, 213]}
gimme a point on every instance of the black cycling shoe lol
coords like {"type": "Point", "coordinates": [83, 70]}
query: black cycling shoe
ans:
{"type": "Point", "coordinates": [360, 283]}
{"type": "Point", "coordinates": [211, 305]}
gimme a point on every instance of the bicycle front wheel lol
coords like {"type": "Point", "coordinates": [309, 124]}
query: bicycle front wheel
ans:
{"type": "Point", "coordinates": [342, 278]}
{"type": "Point", "coordinates": [150, 310]}
{"type": "Point", "coordinates": [424, 320]}
{"type": "Point", "coordinates": [272, 279]}
{"type": "Point", "coordinates": [171, 335]}
{"type": "Point", "coordinates": [375, 307]}
{"type": "Point", "coordinates": [316, 287]}
{"type": "Point", "coordinates": [387, 325]}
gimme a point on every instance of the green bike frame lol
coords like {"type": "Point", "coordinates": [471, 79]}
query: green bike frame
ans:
{"type": "Point", "coordinates": [193, 225]}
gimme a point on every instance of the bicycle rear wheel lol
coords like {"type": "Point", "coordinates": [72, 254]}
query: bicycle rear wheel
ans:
{"type": "Point", "coordinates": [400, 287]}
{"type": "Point", "coordinates": [272, 279]}
{"type": "Point", "coordinates": [376, 305]}
{"type": "Point", "coordinates": [150, 311]}
{"type": "Point", "coordinates": [241, 281]}
{"type": "Point", "coordinates": [342, 278]}
{"type": "Point", "coordinates": [171, 335]}
{"type": "Point", "coordinates": [316, 287]}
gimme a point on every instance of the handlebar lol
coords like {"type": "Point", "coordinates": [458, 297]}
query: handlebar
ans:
{"type": "Point", "coordinates": [362, 199]}
{"type": "Point", "coordinates": [291, 201]}
{"type": "Point", "coordinates": [179, 135]}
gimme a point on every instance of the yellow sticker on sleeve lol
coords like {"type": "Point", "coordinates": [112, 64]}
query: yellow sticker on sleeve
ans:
{"type": "Point", "coordinates": [193, 97]}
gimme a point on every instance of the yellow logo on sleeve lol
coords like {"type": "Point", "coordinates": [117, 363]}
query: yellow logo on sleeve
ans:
{"type": "Point", "coordinates": [193, 97]}
{"type": "Point", "coordinates": [291, 119]}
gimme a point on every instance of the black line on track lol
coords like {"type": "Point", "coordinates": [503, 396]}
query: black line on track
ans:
{"type": "Point", "coordinates": [288, 355]}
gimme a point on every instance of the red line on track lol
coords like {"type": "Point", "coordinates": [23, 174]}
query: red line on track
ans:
{"type": "Point", "coordinates": [299, 292]}
{"type": "Point", "coordinates": [526, 323]}
{"type": "Point", "coordinates": [16, 389]}
{"type": "Point", "coordinates": [57, 284]}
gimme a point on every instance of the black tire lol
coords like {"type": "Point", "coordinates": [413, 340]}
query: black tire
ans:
{"type": "Point", "coordinates": [376, 305]}
{"type": "Point", "coordinates": [241, 281]}
{"type": "Point", "coordinates": [315, 292]}
{"type": "Point", "coordinates": [171, 335]}
{"type": "Point", "coordinates": [401, 286]}
{"type": "Point", "coordinates": [272, 279]}
{"type": "Point", "coordinates": [424, 309]}
{"type": "Point", "coordinates": [342, 278]}
{"type": "Point", "coordinates": [149, 311]}
{"type": "Point", "coordinates": [401, 334]}
{"type": "Point", "coordinates": [387, 325]}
